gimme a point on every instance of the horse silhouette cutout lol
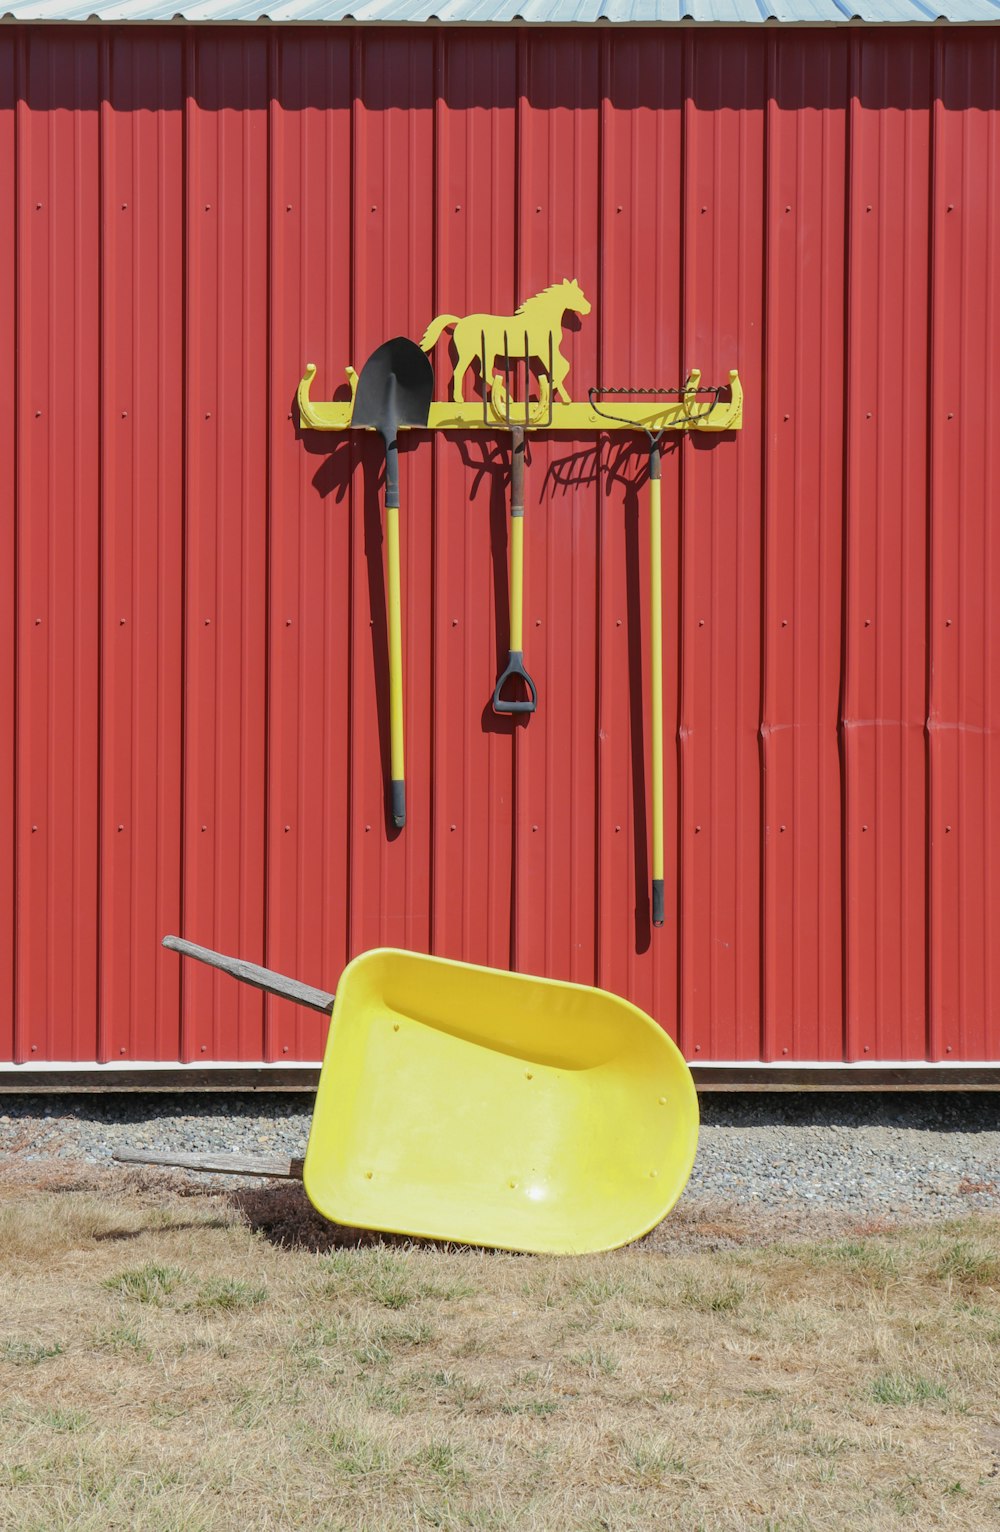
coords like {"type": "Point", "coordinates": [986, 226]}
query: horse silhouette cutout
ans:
{"type": "Point", "coordinates": [527, 330]}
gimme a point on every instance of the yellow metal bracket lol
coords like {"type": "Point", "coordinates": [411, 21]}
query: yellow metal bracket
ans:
{"type": "Point", "coordinates": [683, 412]}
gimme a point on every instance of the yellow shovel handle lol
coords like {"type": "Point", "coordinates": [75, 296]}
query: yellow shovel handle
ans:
{"type": "Point", "coordinates": [656, 678]}
{"type": "Point", "coordinates": [398, 786]}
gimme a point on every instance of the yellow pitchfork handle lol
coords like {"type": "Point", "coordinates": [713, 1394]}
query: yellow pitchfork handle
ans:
{"type": "Point", "coordinates": [656, 677]}
{"type": "Point", "coordinates": [395, 620]}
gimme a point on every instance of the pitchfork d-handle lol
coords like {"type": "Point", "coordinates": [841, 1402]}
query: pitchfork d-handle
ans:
{"type": "Point", "coordinates": [251, 973]}
{"type": "Point", "coordinates": [515, 653]}
{"type": "Point", "coordinates": [395, 622]}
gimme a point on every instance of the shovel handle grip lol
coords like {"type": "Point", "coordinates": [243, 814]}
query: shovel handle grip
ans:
{"type": "Point", "coordinates": [515, 667]}
{"type": "Point", "coordinates": [395, 622]}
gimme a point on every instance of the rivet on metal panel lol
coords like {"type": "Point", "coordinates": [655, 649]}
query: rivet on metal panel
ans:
{"type": "Point", "coordinates": [951, 207]}
{"type": "Point", "coordinates": [653, 1174]}
{"type": "Point", "coordinates": [618, 622]}
{"type": "Point", "coordinates": [122, 1050]}
{"type": "Point", "coordinates": [866, 1048]}
{"type": "Point", "coordinates": [788, 208]}
{"type": "Point", "coordinates": [38, 622]}
{"type": "Point", "coordinates": [947, 622]}
{"type": "Point", "coordinates": [395, 1026]}
{"type": "Point", "coordinates": [781, 829]}
{"type": "Point", "coordinates": [697, 829]}
{"type": "Point", "coordinates": [784, 622]}
{"type": "Point", "coordinates": [784, 1050]}
{"type": "Point", "coordinates": [287, 828]}
{"type": "Point", "coordinates": [663, 1100]}
{"type": "Point", "coordinates": [208, 622]}
{"type": "Point", "coordinates": [367, 828]}
{"type": "Point", "coordinates": [204, 1047]}
{"type": "Point", "coordinates": [453, 828]}
{"type": "Point", "coordinates": [38, 414]}
{"type": "Point", "coordinates": [34, 1047]}
{"type": "Point", "coordinates": [208, 207]}
{"type": "Point", "coordinates": [528, 1075]}
{"type": "Point", "coordinates": [868, 622]}
{"type": "Point", "coordinates": [458, 207]}
{"type": "Point", "coordinates": [454, 622]}
{"type": "Point", "coordinates": [538, 622]}
{"type": "Point", "coordinates": [868, 208]}
{"type": "Point", "coordinates": [374, 209]}
{"type": "Point", "coordinates": [120, 829]}
{"type": "Point", "coordinates": [701, 622]}
{"type": "Point", "coordinates": [124, 414]}
{"type": "Point", "coordinates": [38, 207]}
{"type": "Point", "coordinates": [704, 209]}
{"type": "Point", "coordinates": [534, 829]}
{"type": "Point", "coordinates": [284, 1048]}
{"type": "Point", "coordinates": [204, 828]}
{"type": "Point", "coordinates": [948, 1048]}
{"type": "Point", "coordinates": [369, 1174]}
{"type": "Point", "coordinates": [288, 207]}
{"type": "Point", "coordinates": [618, 829]}
{"type": "Point", "coordinates": [617, 209]}
{"type": "Point", "coordinates": [951, 415]}
{"type": "Point", "coordinates": [288, 622]}
{"type": "Point", "coordinates": [34, 829]}
{"type": "Point", "coordinates": [864, 829]}
{"type": "Point", "coordinates": [947, 829]}
{"type": "Point", "coordinates": [697, 1047]}
{"type": "Point", "coordinates": [124, 207]}
{"type": "Point", "coordinates": [121, 622]}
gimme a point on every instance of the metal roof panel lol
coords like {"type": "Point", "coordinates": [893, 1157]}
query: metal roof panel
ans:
{"type": "Point", "coordinates": [532, 12]}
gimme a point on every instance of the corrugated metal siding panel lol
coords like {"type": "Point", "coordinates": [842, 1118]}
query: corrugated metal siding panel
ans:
{"type": "Point", "coordinates": [9, 62]}
{"type": "Point", "coordinates": [198, 589]}
{"type": "Point", "coordinates": [720, 824]}
{"type": "Point", "coordinates": [225, 216]}
{"type": "Point", "coordinates": [475, 174]}
{"type": "Point", "coordinates": [964, 707]}
{"type": "Point", "coordinates": [58, 537]}
{"type": "Point", "coordinates": [142, 393]}
{"type": "Point", "coordinates": [803, 533]}
{"type": "Point", "coordinates": [885, 702]}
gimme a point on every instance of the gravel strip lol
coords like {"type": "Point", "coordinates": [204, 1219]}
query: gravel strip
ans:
{"type": "Point", "coordinates": [890, 1156]}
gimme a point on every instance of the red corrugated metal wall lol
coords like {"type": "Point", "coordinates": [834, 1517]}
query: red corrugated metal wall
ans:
{"type": "Point", "coordinates": [193, 711]}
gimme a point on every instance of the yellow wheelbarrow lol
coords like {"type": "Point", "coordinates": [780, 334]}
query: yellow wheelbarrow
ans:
{"type": "Point", "coordinates": [489, 1108]}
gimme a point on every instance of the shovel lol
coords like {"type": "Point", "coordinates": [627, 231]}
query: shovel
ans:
{"type": "Point", "coordinates": [395, 389]}
{"type": "Point", "coordinates": [465, 1103]}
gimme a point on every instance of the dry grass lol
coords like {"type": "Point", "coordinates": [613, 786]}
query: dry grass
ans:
{"type": "Point", "coordinates": [167, 1363]}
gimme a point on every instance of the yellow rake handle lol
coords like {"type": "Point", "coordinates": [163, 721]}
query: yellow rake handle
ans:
{"type": "Point", "coordinates": [656, 678]}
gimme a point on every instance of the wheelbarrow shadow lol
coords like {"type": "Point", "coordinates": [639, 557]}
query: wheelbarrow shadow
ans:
{"type": "Point", "coordinates": [282, 1214]}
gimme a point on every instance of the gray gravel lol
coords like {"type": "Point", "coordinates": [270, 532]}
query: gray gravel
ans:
{"type": "Point", "coordinates": [877, 1156]}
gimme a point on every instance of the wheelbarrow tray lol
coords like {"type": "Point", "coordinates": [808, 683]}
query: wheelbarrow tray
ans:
{"type": "Point", "coordinates": [489, 1108]}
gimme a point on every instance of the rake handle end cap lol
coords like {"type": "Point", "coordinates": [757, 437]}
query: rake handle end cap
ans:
{"type": "Point", "coordinates": [399, 804]}
{"type": "Point", "coordinates": [657, 901]}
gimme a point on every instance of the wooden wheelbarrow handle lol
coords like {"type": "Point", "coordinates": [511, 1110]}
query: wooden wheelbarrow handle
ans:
{"type": "Point", "coordinates": [251, 973]}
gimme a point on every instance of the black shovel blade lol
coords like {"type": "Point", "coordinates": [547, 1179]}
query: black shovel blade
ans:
{"type": "Point", "coordinates": [395, 388]}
